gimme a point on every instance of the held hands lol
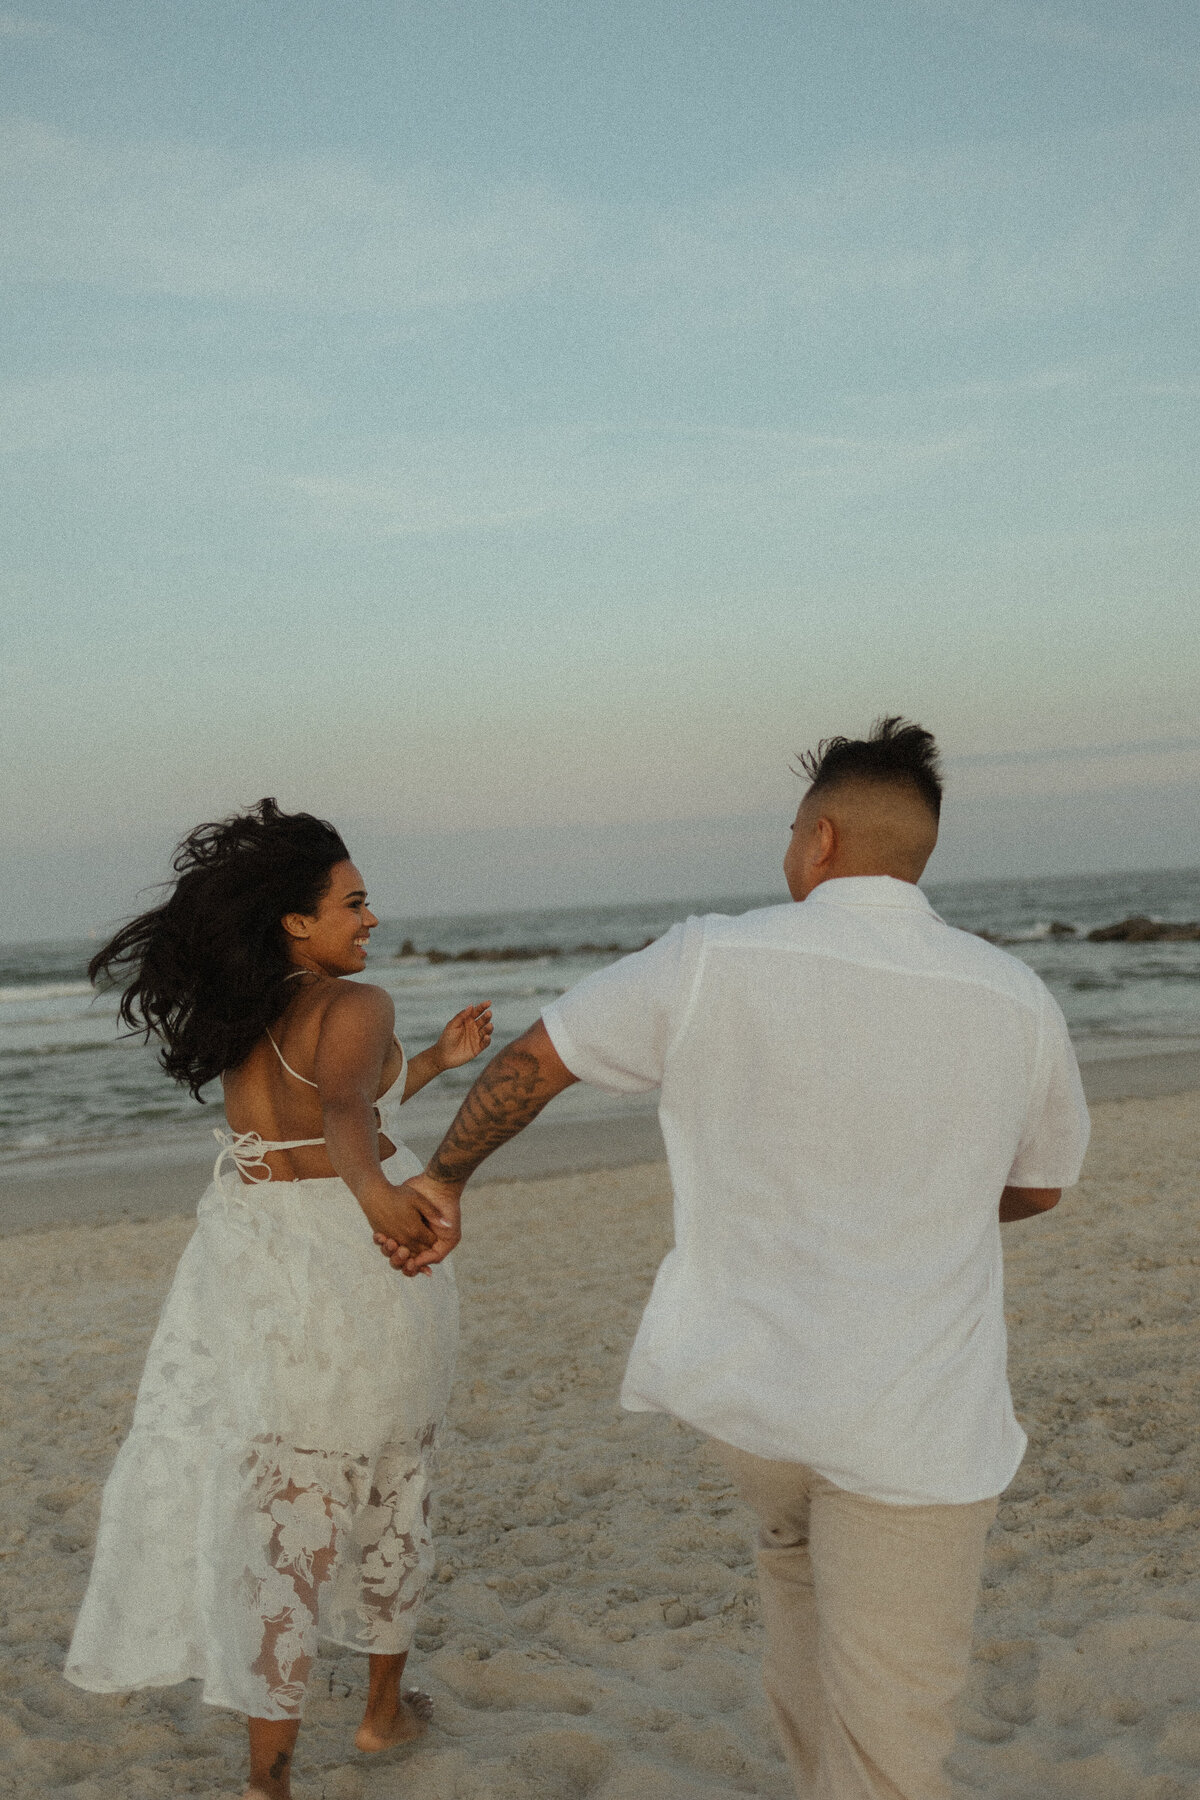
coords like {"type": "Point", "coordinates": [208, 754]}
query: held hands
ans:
{"type": "Point", "coordinates": [466, 1036]}
{"type": "Point", "coordinates": [415, 1228]}
{"type": "Point", "coordinates": [436, 1206]}
{"type": "Point", "coordinates": [418, 1224]}
{"type": "Point", "coordinates": [510, 1092]}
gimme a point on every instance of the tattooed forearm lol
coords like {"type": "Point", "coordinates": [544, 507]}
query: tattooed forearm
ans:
{"type": "Point", "coordinates": [510, 1092]}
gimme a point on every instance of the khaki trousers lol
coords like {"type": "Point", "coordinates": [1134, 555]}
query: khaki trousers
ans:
{"type": "Point", "coordinates": [868, 1611]}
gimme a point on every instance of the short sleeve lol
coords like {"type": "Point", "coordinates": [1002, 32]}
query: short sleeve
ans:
{"type": "Point", "coordinates": [614, 1028]}
{"type": "Point", "coordinates": [1057, 1126]}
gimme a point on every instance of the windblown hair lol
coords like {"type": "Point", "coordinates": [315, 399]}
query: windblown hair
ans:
{"type": "Point", "coordinates": [897, 752]}
{"type": "Point", "coordinates": [205, 972]}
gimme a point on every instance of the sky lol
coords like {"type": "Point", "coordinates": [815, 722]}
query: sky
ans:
{"type": "Point", "coordinates": [515, 430]}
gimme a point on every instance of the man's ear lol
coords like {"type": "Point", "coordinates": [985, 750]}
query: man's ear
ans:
{"type": "Point", "coordinates": [826, 834]}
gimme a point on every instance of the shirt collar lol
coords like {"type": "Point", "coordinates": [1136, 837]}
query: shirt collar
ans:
{"type": "Point", "coordinates": [871, 890]}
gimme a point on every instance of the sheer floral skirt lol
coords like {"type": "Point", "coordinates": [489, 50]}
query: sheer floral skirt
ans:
{"type": "Point", "coordinates": [275, 1487]}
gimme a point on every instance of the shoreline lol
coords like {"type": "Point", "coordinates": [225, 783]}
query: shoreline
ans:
{"type": "Point", "coordinates": [165, 1180]}
{"type": "Point", "coordinates": [100, 1187]}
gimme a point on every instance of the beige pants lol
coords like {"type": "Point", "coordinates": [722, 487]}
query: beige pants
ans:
{"type": "Point", "coordinates": [868, 1611]}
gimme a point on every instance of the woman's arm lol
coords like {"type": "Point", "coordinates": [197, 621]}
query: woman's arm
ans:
{"type": "Point", "coordinates": [466, 1036]}
{"type": "Point", "coordinates": [355, 1035]}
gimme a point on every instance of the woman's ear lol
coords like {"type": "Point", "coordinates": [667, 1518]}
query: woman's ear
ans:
{"type": "Point", "coordinates": [295, 924]}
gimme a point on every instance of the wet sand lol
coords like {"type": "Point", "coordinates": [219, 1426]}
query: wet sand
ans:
{"type": "Point", "coordinates": [594, 1626]}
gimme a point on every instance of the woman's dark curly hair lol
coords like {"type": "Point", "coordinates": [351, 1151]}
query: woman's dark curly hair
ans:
{"type": "Point", "coordinates": [205, 972]}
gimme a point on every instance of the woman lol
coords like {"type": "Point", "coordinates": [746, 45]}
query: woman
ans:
{"type": "Point", "coordinates": [275, 1481]}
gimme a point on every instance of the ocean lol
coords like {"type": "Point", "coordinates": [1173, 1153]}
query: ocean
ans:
{"type": "Point", "coordinates": [68, 1081]}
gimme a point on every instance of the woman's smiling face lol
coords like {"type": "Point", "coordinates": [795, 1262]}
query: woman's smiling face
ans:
{"type": "Point", "coordinates": [333, 940]}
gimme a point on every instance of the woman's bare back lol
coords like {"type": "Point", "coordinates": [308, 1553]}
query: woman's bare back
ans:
{"type": "Point", "coordinates": [270, 1091]}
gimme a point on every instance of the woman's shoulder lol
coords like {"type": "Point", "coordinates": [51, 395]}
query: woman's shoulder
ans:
{"type": "Point", "coordinates": [362, 1000]}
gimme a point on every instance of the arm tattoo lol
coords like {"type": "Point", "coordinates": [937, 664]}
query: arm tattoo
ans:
{"type": "Point", "coordinates": [508, 1094]}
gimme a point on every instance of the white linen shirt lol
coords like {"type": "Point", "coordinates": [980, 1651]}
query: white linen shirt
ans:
{"type": "Point", "coordinates": [847, 1086]}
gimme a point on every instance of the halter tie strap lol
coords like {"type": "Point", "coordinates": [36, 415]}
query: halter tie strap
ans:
{"type": "Point", "coordinates": [287, 1065]}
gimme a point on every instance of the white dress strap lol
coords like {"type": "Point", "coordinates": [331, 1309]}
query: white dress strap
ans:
{"type": "Point", "coordinates": [399, 1081]}
{"type": "Point", "coordinates": [287, 1065]}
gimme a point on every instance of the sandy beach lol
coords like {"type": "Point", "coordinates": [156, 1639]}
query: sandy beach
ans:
{"type": "Point", "coordinates": [593, 1629]}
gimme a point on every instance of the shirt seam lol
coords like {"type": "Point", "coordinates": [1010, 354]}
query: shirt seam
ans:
{"type": "Point", "coordinates": [560, 1037]}
{"type": "Point", "coordinates": [689, 1007]}
{"type": "Point", "coordinates": [1032, 1004]}
{"type": "Point", "coordinates": [1035, 1082]}
{"type": "Point", "coordinates": [923, 906]}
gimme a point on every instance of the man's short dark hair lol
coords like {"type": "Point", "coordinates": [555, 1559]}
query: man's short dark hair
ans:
{"type": "Point", "coordinates": [897, 752]}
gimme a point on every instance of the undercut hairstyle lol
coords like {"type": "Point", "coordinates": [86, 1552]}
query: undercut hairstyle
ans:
{"type": "Point", "coordinates": [897, 753]}
{"type": "Point", "coordinates": [206, 971]}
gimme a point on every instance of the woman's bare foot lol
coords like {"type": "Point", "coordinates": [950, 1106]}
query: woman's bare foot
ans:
{"type": "Point", "coordinates": [386, 1725]}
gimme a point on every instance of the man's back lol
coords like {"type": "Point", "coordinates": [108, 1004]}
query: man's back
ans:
{"type": "Point", "coordinates": [853, 1097]}
{"type": "Point", "coordinates": [847, 1087]}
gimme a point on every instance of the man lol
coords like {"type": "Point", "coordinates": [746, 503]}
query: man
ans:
{"type": "Point", "coordinates": [854, 1097]}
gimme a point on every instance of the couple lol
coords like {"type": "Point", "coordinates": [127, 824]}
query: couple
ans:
{"type": "Point", "coordinates": [854, 1098]}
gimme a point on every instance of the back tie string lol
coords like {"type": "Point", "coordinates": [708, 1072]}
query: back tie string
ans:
{"type": "Point", "coordinates": [246, 1150]}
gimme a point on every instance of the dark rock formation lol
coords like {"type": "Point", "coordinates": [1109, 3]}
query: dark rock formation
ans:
{"type": "Point", "coordinates": [1140, 930]}
{"type": "Point", "coordinates": [506, 953]}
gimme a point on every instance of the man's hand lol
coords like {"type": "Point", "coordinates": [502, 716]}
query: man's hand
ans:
{"type": "Point", "coordinates": [438, 1205]}
{"type": "Point", "coordinates": [408, 1221]}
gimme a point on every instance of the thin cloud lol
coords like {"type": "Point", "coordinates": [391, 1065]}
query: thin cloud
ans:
{"type": "Point", "coordinates": [490, 482]}
{"type": "Point", "coordinates": [1044, 27]}
{"type": "Point", "coordinates": [12, 25]}
{"type": "Point", "coordinates": [928, 395]}
{"type": "Point", "coordinates": [1075, 753]}
{"type": "Point", "coordinates": [954, 237]}
{"type": "Point", "coordinates": [950, 239]}
{"type": "Point", "coordinates": [324, 233]}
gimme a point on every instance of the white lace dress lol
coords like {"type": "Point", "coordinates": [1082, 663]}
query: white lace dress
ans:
{"type": "Point", "coordinates": [275, 1485]}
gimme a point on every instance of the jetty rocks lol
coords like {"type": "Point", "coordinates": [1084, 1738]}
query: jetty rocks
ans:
{"type": "Point", "coordinates": [1140, 930]}
{"type": "Point", "coordinates": [505, 953]}
{"type": "Point", "coordinates": [1136, 930]}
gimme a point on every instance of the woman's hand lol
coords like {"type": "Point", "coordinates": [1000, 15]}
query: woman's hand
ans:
{"type": "Point", "coordinates": [468, 1033]}
{"type": "Point", "coordinates": [439, 1206]}
{"type": "Point", "coordinates": [466, 1036]}
{"type": "Point", "coordinates": [412, 1223]}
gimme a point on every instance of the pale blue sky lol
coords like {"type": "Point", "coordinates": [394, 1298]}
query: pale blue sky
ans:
{"type": "Point", "coordinates": [549, 417]}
